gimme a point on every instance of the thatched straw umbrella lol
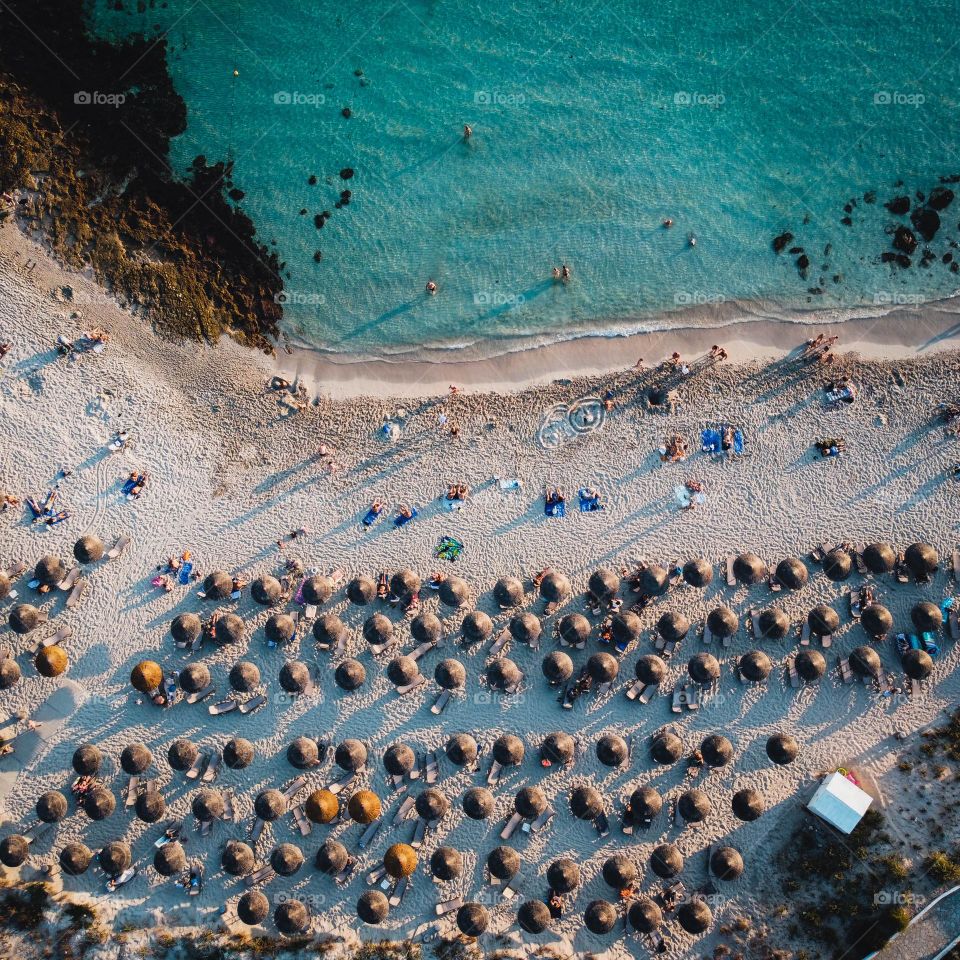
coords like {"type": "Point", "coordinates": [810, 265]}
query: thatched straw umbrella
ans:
{"type": "Point", "coordinates": [350, 674]}
{"type": "Point", "coordinates": [292, 918]}
{"type": "Point", "coordinates": [563, 875]}
{"type": "Point", "coordinates": [603, 667]}
{"type": "Point", "coordinates": [461, 749]}
{"type": "Point", "coordinates": [574, 629]}
{"type": "Point", "coordinates": [793, 573]}
{"type": "Point", "coordinates": [503, 674]}
{"type": "Point", "coordinates": [361, 591]}
{"type": "Point", "coordinates": [877, 620]}
{"type": "Point", "coordinates": [426, 628]}
{"type": "Point", "coordinates": [810, 665]}
{"type": "Point", "coordinates": [698, 573]}
{"type": "Point", "coordinates": [146, 676]}
{"type": "Point", "coordinates": [525, 627]}
{"type": "Point", "coordinates": [557, 748]}
{"type": "Point", "coordinates": [530, 802]}
{"type": "Point", "coordinates": [25, 617]}
{"type": "Point", "coordinates": [400, 860]}
{"type": "Point", "coordinates": [533, 916]}
{"type": "Point", "coordinates": [270, 805]}
{"type": "Point", "coordinates": [755, 666]}
{"type": "Point", "coordinates": [51, 661]}
{"type": "Point", "coordinates": [926, 616]}
{"type": "Point", "coordinates": [703, 668]}
{"type": "Point", "coordinates": [303, 753]}
{"type": "Point", "coordinates": [99, 803]}
{"type": "Point", "coordinates": [921, 560]}
{"type": "Point", "coordinates": [321, 806]}
{"type": "Point", "coordinates": [603, 583]}
{"type": "Point", "coordinates": [149, 806]}
{"type": "Point", "coordinates": [612, 750]}
{"type": "Point", "coordinates": [266, 590]}
{"type": "Point", "coordinates": [208, 805]}
{"type": "Point", "coordinates": [472, 919]}
{"type": "Point", "coordinates": [49, 570]}
{"type": "Point", "coordinates": [194, 677]}
{"type": "Point", "coordinates": [454, 592]}
{"type": "Point", "coordinates": [823, 620]}
{"type": "Point", "coordinates": [404, 584]}
{"type": "Point", "coordinates": [879, 558]}
{"type": "Point", "coordinates": [364, 806]}
{"type": "Point", "coordinates": [6, 585]}
{"type": "Point", "coordinates": [476, 626]}
{"type": "Point", "coordinates": [88, 549]}
{"type": "Point", "coordinates": [666, 748]}
{"type": "Point", "coordinates": [87, 759]}
{"type": "Point", "coordinates": [747, 805]}
{"type": "Point", "coordinates": [10, 673]}
{"type": "Point", "coordinates": [14, 850]}
{"type": "Point", "coordinates": [654, 580]}
{"type": "Point", "coordinates": [181, 754]}
{"type": "Point", "coordinates": [625, 627]}
{"type": "Point", "coordinates": [837, 565]}
{"type": "Point", "coordinates": [185, 628]}
{"type": "Point", "coordinates": [399, 759]}
{"type": "Point", "coordinates": [782, 749]}
{"type": "Point", "coordinates": [508, 750]}
{"type": "Point", "coordinates": [229, 629]}
{"type": "Point", "coordinates": [403, 670]}
{"type": "Point", "coordinates": [723, 622]}
{"type": "Point", "coordinates": [645, 804]}
{"type": "Point", "coordinates": [865, 662]}
{"type": "Point", "coordinates": [217, 585]}
{"type": "Point", "coordinates": [650, 669]}
{"type": "Point", "coordinates": [917, 664]}
{"type": "Point", "coordinates": [135, 758]}
{"type": "Point", "coordinates": [658, 397]}
{"type": "Point", "coordinates": [749, 569]}
{"type": "Point", "coordinates": [51, 806]}
{"type": "Point", "coordinates": [726, 863]}
{"type": "Point", "coordinates": [316, 590]}
{"type": "Point", "coordinates": [619, 872]}
{"type": "Point", "coordinates": [554, 587]}
{"type": "Point", "coordinates": [75, 858]}
{"type": "Point", "coordinates": [450, 674]}
{"type": "Point", "coordinates": [279, 628]}
{"type": "Point", "coordinates": [244, 676]}
{"type": "Point", "coordinates": [717, 750]}
{"type": "Point", "coordinates": [694, 806]}
{"type": "Point", "coordinates": [351, 755]}
{"type": "Point", "coordinates": [115, 857]}
{"type": "Point", "coordinates": [170, 860]}
{"type": "Point", "coordinates": [673, 626]}
{"type": "Point", "coordinates": [503, 863]}
{"type": "Point", "coordinates": [253, 908]}
{"type": "Point", "coordinates": [332, 857]}
{"type": "Point", "coordinates": [644, 915]}
{"type": "Point", "coordinates": [774, 624]}
{"type": "Point", "coordinates": [694, 916]}
{"type": "Point", "coordinates": [508, 592]}
{"type": "Point", "coordinates": [294, 676]}
{"type": "Point", "coordinates": [446, 863]}
{"type": "Point", "coordinates": [666, 861]}
{"type": "Point", "coordinates": [286, 859]}
{"type": "Point", "coordinates": [557, 667]}
{"type": "Point", "coordinates": [600, 917]}
{"type": "Point", "coordinates": [478, 803]}
{"type": "Point", "coordinates": [373, 907]}
{"type": "Point", "coordinates": [377, 630]}
{"type": "Point", "coordinates": [585, 802]}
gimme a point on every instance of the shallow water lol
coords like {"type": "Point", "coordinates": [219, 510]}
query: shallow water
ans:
{"type": "Point", "coordinates": [591, 123]}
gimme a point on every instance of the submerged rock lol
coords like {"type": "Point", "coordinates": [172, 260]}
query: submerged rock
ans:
{"type": "Point", "coordinates": [940, 198]}
{"type": "Point", "coordinates": [898, 205]}
{"type": "Point", "coordinates": [780, 243]}
{"type": "Point", "coordinates": [903, 239]}
{"type": "Point", "coordinates": [926, 222]}
{"type": "Point", "coordinates": [346, 173]}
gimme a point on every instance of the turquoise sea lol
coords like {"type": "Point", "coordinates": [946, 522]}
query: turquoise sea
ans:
{"type": "Point", "coordinates": [593, 121]}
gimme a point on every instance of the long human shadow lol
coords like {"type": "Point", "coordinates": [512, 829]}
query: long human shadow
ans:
{"type": "Point", "coordinates": [944, 335]}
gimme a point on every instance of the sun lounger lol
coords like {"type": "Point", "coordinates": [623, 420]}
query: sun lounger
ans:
{"type": "Point", "coordinates": [602, 824]}
{"type": "Point", "coordinates": [415, 684]}
{"type": "Point", "coordinates": [132, 786]}
{"type": "Point", "coordinates": [347, 872]}
{"type": "Point", "coordinates": [339, 785]}
{"type": "Point", "coordinates": [634, 690]}
{"type": "Point", "coordinates": [826, 641]}
{"type": "Point", "coordinates": [500, 642]}
{"type": "Point", "coordinates": [213, 767]}
{"type": "Point", "coordinates": [707, 633]}
{"type": "Point", "coordinates": [805, 634]}
{"type": "Point", "coordinates": [441, 702]}
{"type": "Point", "coordinates": [953, 622]}
{"type": "Point", "coordinates": [419, 651]}
{"type": "Point", "coordinates": [399, 891]}
{"type": "Point", "coordinates": [403, 811]}
{"type": "Point", "coordinates": [415, 771]}
{"type": "Point", "coordinates": [496, 771]}
{"type": "Point", "coordinates": [602, 690]}
{"type": "Point", "coordinates": [649, 692]}
{"type": "Point", "coordinates": [679, 697]}
{"type": "Point", "coordinates": [250, 705]}
{"type": "Point", "coordinates": [76, 593]}
{"type": "Point", "coordinates": [792, 674]}
{"type": "Point", "coordinates": [818, 553]}
{"type": "Point", "coordinates": [541, 822]}
{"type": "Point", "coordinates": [847, 676]}
{"type": "Point", "coordinates": [859, 562]}
{"type": "Point", "coordinates": [201, 695]}
{"type": "Point", "coordinates": [419, 832]}
{"type": "Point", "coordinates": [15, 569]}
{"type": "Point", "coordinates": [295, 787]}
{"type": "Point", "coordinates": [63, 634]}
{"type": "Point", "coordinates": [507, 832]}
{"type": "Point", "coordinates": [229, 810]}
{"type": "Point", "coordinates": [955, 565]}
{"type": "Point", "coordinates": [118, 548]}
{"type": "Point", "coordinates": [376, 875]}
{"type": "Point", "coordinates": [900, 569]}
{"type": "Point", "coordinates": [755, 625]}
{"type": "Point", "coordinates": [368, 835]}
{"type": "Point", "coordinates": [69, 580]}
{"type": "Point", "coordinates": [196, 766]}
{"type": "Point", "coordinates": [775, 585]}
{"type": "Point", "coordinates": [731, 578]}
{"type": "Point", "coordinates": [915, 687]}
{"type": "Point", "coordinates": [432, 772]}
{"type": "Point", "coordinates": [204, 827]}
{"type": "Point", "coordinates": [222, 706]}
{"type": "Point", "coordinates": [257, 829]}
{"type": "Point", "coordinates": [693, 695]}
{"type": "Point", "coordinates": [448, 906]}
{"type": "Point", "coordinates": [854, 598]}
{"type": "Point", "coordinates": [264, 875]}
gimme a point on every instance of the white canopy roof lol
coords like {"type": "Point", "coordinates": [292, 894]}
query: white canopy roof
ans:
{"type": "Point", "coordinates": [840, 802]}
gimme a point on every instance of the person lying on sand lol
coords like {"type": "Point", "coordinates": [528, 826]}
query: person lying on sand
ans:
{"type": "Point", "coordinates": [7, 501]}
{"type": "Point", "coordinates": [554, 495]}
{"type": "Point", "coordinates": [5, 349]}
{"type": "Point", "coordinates": [436, 578]}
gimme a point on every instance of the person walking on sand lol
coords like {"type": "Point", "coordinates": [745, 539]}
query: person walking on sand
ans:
{"type": "Point", "coordinates": [454, 390]}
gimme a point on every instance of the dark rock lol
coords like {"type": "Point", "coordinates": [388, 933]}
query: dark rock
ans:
{"type": "Point", "coordinates": [803, 262]}
{"type": "Point", "coordinates": [338, 205]}
{"type": "Point", "coordinates": [319, 221]}
{"type": "Point", "coordinates": [327, 214]}
{"type": "Point", "coordinates": [947, 258]}
{"type": "Point", "coordinates": [303, 211]}
{"type": "Point", "coordinates": [815, 290]}
{"type": "Point", "coordinates": [926, 222]}
{"type": "Point", "coordinates": [795, 250]}
{"type": "Point", "coordinates": [828, 249]}
{"type": "Point", "coordinates": [898, 205]}
{"type": "Point", "coordinates": [806, 218]}
{"type": "Point", "coordinates": [364, 82]}
{"type": "Point", "coordinates": [940, 198]}
{"type": "Point", "coordinates": [312, 180]}
{"type": "Point", "coordinates": [846, 221]}
{"type": "Point", "coordinates": [346, 173]}
{"type": "Point", "coordinates": [870, 196]}
{"type": "Point", "coordinates": [903, 260]}
{"type": "Point", "coordinates": [358, 72]}
{"type": "Point", "coordinates": [317, 256]}
{"type": "Point", "coordinates": [236, 195]}
{"type": "Point", "coordinates": [888, 257]}
{"type": "Point", "coordinates": [903, 239]}
{"type": "Point", "coordinates": [837, 277]}
{"type": "Point", "coordinates": [848, 208]}
{"type": "Point", "coordinates": [346, 113]}
{"type": "Point", "coordinates": [955, 267]}
{"type": "Point", "coordinates": [345, 194]}
{"type": "Point", "coordinates": [920, 197]}
{"type": "Point", "coordinates": [780, 243]}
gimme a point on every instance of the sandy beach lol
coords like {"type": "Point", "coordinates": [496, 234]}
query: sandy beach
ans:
{"type": "Point", "coordinates": [234, 467]}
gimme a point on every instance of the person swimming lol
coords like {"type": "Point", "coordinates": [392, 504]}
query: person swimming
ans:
{"type": "Point", "coordinates": [431, 287]}
{"type": "Point", "coordinates": [565, 272]}
{"type": "Point", "coordinates": [467, 131]}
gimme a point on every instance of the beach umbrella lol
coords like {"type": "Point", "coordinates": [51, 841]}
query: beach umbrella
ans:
{"type": "Point", "coordinates": [404, 584]}
{"type": "Point", "coordinates": [650, 669]}
{"type": "Point", "coordinates": [321, 806]}
{"type": "Point", "coordinates": [703, 668]}
{"type": "Point", "coordinates": [350, 674]}
{"type": "Point", "coordinates": [402, 670]}
{"type": "Point", "coordinates": [25, 617]}
{"type": "Point", "coordinates": [612, 750]}
{"type": "Point", "coordinates": [747, 805]}
{"type": "Point", "coordinates": [585, 802]}
{"type": "Point", "coordinates": [426, 628]}
{"type": "Point", "coordinates": [51, 661]}
{"type": "Point", "coordinates": [478, 803]}
{"type": "Point", "coordinates": [921, 560]}
{"type": "Point", "coordinates": [476, 626]}
{"type": "Point", "coordinates": [877, 620]}
{"type": "Point", "coordinates": [181, 754]}
{"type": "Point", "coordinates": [14, 850]}
{"type": "Point", "coordinates": [185, 628]}
{"type": "Point", "coordinates": [316, 590]}
{"type": "Point", "coordinates": [373, 907]}
{"type": "Point", "coordinates": [723, 622]}
{"type": "Point", "coordinates": [563, 875]}
{"type": "Point", "coordinates": [270, 805]}
{"type": "Point", "coordinates": [363, 807]}
{"type": "Point", "coordinates": [823, 620]}
{"type": "Point", "coordinates": [266, 590]}
{"type": "Point", "coordinates": [400, 860]}
{"type": "Point", "coordinates": [286, 859]}
{"type": "Point", "coordinates": [453, 592]}
{"type": "Point", "coordinates": [837, 565]}
{"type": "Point", "coordinates": [619, 872]}
{"type": "Point", "coordinates": [666, 861]}
{"type": "Point", "coordinates": [377, 630]}
{"type": "Point", "coordinates": [252, 908]}
{"type": "Point", "coordinates": [525, 627]}
{"type": "Point", "coordinates": [774, 623]}
{"type": "Point", "coordinates": [472, 919]}
{"type": "Point", "coordinates": [75, 858]}
{"type": "Point", "coordinates": [810, 665]}
{"type": "Point", "coordinates": [332, 857]}
{"type": "Point", "coordinates": [658, 397]}
{"type": "Point", "coordinates": [603, 667]}
{"type": "Point", "coordinates": [865, 662]}
{"type": "Point", "coordinates": [88, 549]}
{"type": "Point", "coordinates": [244, 676]}
{"type": "Point", "coordinates": [229, 628]}
{"type": "Point", "coordinates": [329, 630]}
{"type": "Point", "coordinates": [557, 748]}
{"type": "Point", "coordinates": [279, 628]}
{"type": "Point", "coordinates": [508, 750]}
{"type": "Point", "coordinates": [461, 749]}
{"type": "Point", "coordinates": [694, 916]}
{"type": "Point", "coordinates": [170, 860]}
{"type": "Point", "coordinates": [755, 666]}
{"type": "Point", "coordinates": [793, 573]}
{"type": "Point", "coordinates": [217, 585]}
{"type": "Point", "coordinates": [698, 573]}
{"type": "Point", "coordinates": [10, 673]}
{"type": "Point", "coordinates": [431, 805]}
{"type": "Point", "coordinates": [694, 806]}
{"type": "Point", "coordinates": [51, 806]}
{"type": "Point", "coordinates": [399, 759]}
{"type": "Point", "coordinates": [361, 591]}
{"type": "Point", "coordinates": [574, 629]}
{"type": "Point", "coordinates": [530, 802]}
{"type": "Point", "coordinates": [291, 917]}
{"type": "Point", "coordinates": [717, 750]}
{"type": "Point", "coordinates": [194, 677]}
{"type": "Point", "coordinates": [625, 627]}
{"type": "Point", "coordinates": [654, 580]}
{"type": "Point", "coordinates": [879, 558]}
{"type": "Point", "coordinates": [926, 616]}
{"type": "Point", "coordinates": [115, 857]}
{"type": "Point", "coordinates": [135, 758]}
{"type": "Point", "coordinates": [782, 749]}
{"type": "Point", "coordinates": [87, 759]}
{"type": "Point", "coordinates": [726, 863]}
{"type": "Point", "coordinates": [645, 804]}
{"type": "Point", "coordinates": [504, 863]}
{"type": "Point", "coordinates": [446, 863]}
{"type": "Point", "coordinates": [644, 915]}
{"type": "Point", "coordinates": [554, 587]}
{"type": "Point", "coordinates": [503, 674]}
{"type": "Point", "coordinates": [6, 585]}
{"type": "Point", "coordinates": [49, 570]}
{"type": "Point", "coordinates": [294, 676]}
{"type": "Point", "coordinates": [666, 747]}
{"type": "Point", "coordinates": [603, 583]}
{"type": "Point", "coordinates": [749, 569]}
{"type": "Point", "coordinates": [508, 592]}
{"type": "Point", "coordinates": [533, 916]}
{"type": "Point", "coordinates": [917, 664]}
{"type": "Point", "coordinates": [557, 667]}
{"type": "Point", "coordinates": [303, 753]}
{"type": "Point", "coordinates": [99, 802]}
{"type": "Point", "coordinates": [673, 626]}
{"type": "Point", "coordinates": [351, 755]}
{"type": "Point", "coordinates": [208, 805]}
{"type": "Point", "coordinates": [600, 917]}
{"type": "Point", "coordinates": [149, 806]}
{"type": "Point", "coordinates": [450, 674]}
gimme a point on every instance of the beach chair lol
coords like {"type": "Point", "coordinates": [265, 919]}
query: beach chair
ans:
{"type": "Point", "coordinates": [693, 695]}
{"type": "Point", "coordinates": [79, 588]}
{"type": "Point", "coordinates": [847, 676]}
{"type": "Point", "coordinates": [204, 827]}
{"type": "Point", "coordinates": [774, 583]}
{"type": "Point", "coordinates": [679, 698]}
{"type": "Point", "coordinates": [117, 549]}
{"type": "Point", "coordinates": [229, 810]}
{"type": "Point", "coordinates": [955, 565]}
{"type": "Point", "coordinates": [419, 832]}
{"type": "Point", "coordinates": [441, 702]}
{"type": "Point", "coordinates": [250, 705]}
{"type": "Point", "coordinates": [196, 766]}
{"type": "Point", "coordinates": [649, 692]}
{"type": "Point", "coordinates": [403, 811]}
{"type": "Point", "coordinates": [500, 642]}
{"type": "Point", "coordinates": [133, 785]}
{"type": "Point", "coordinates": [448, 906]}
{"type": "Point", "coordinates": [707, 633]}
{"type": "Point", "coordinates": [432, 768]}
{"type": "Point", "coordinates": [70, 579]}
{"type": "Point", "coordinates": [257, 830]}
{"type": "Point", "coordinates": [755, 625]}
{"type": "Point", "coordinates": [213, 767]}
{"type": "Point", "coordinates": [376, 875]}
{"type": "Point", "coordinates": [368, 835]}
{"type": "Point", "coordinates": [634, 690]}
{"type": "Point", "coordinates": [201, 695]}
{"type": "Point", "coordinates": [264, 875]}
{"type": "Point", "coordinates": [731, 578]}
{"type": "Point", "coordinates": [415, 684]}
{"type": "Point", "coordinates": [541, 822]}
{"type": "Point", "coordinates": [295, 787]}
{"type": "Point", "coordinates": [805, 634]}
{"type": "Point", "coordinates": [507, 832]}
{"type": "Point", "coordinates": [339, 785]}
{"type": "Point", "coordinates": [347, 872]}
{"type": "Point", "coordinates": [953, 622]}
{"type": "Point", "coordinates": [221, 707]}
{"type": "Point", "coordinates": [855, 600]}
{"type": "Point", "coordinates": [496, 771]}
{"type": "Point", "coordinates": [63, 634]}
{"type": "Point", "coordinates": [399, 891]}
{"type": "Point", "coordinates": [792, 674]}
{"type": "Point", "coordinates": [818, 553]}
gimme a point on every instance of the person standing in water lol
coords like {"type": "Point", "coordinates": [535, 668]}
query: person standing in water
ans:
{"type": "Point", "coordinates": [467, 131]}
{"type": "Point", "coordinates": [431, 287]}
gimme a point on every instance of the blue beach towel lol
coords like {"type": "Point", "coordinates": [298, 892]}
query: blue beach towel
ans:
{"type": "Point", "coordinates": [371, 517]}
{"type": "Point", "coordinates": [401, 520]}
{"type": "Point", "coordinates": [711, 440]}
{"type": "Point", "coordinates": [589, 504]}
{"type": "Point", "coordinates": [555, 509]}
{"type": "Point", "coordinates": [738, 442]}
{"type": "Point", "coordinates": [183, 575]}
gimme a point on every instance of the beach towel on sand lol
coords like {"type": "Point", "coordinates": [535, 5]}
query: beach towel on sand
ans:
{"type": "Point", "coordinates": [401, 520]}
{"type": "Point", "coordinates": [184, 573]}
{"type": "Point", "coordinates": [589, 504]}
{"type": "Point", "coordinates": [371, 517]}
{"type": "Point", "coordinates": [738, 442]}
{"type": "Point", "coordinates": [555, 509]}
{"type": "Point", "coordinates": [449, 548]}
{"type": "Point", "coordinates": [711, 440]}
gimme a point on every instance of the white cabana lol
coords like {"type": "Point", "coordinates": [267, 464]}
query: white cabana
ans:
{"type": "Point", "coordinates": [840, 802]}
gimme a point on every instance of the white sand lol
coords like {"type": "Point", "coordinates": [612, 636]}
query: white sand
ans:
{"type": "Point", "coordinates": [230, 474]}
